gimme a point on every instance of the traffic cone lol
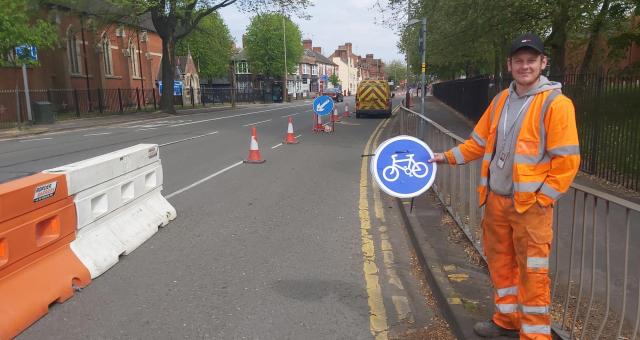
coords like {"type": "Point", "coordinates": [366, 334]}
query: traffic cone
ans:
{"type": "Point", "coordinates": [291, 137]}
{"type": "Point", "coordinates": [254, 149]}
{"type": "Point", "coordinates": [318, 127]}
{"type": "Point", "coordinates": [335, 117]}
{"type": "Point", "coordinates": [346, 111]}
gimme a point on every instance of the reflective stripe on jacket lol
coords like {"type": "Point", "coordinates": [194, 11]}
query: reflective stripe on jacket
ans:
{"type": "Point", "coordinates": [547, 154]}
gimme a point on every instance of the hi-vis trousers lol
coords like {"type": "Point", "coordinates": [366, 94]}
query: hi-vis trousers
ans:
{"type": "Point", "coordinates": [517, 247]}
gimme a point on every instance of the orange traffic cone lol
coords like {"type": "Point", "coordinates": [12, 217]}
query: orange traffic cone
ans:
{"type": "Point", "coordinates": [346, 111]}
{"type": "Point", "coordinates": [254, 150]}
{"type": "Point", "coordinates": [318, 127]}
{"type": "Point", "coordinates": [291, 137]}
{"type": "Point", "coordinates": [335, 117]}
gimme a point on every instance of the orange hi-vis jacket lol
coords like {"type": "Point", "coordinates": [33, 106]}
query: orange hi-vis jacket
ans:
{"type": "Point", "coordinates": [547, 154]}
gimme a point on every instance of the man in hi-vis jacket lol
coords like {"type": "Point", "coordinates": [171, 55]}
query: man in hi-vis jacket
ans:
{"type": "Point", "coordinates": [528, 142]}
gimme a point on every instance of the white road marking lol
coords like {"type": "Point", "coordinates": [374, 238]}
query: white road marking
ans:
{"type": "Point", "coordinates": [191, 186]}
{"type": "Point", "coordinates": [190, 138]}
{"type": "Point", "coordinates": [34, 140]}
{"type": "Point", "coordinates": [232, 116]}
{"type": "Point", "coordinates": [97, 134]}
{"type": "Point", "coordinates": [279, 145]}
{"type": "Point", "coordinates": [256, 123]}
{"type": "Point", "coordinates": [295, 114]}
{"type": "Point", "coordinates": [146, 129]}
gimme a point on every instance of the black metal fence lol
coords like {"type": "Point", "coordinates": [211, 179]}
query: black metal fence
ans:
{"type": "Point", "coordinates": [75, 103]}
{"type": "Point", "coordinates": [607, 114]}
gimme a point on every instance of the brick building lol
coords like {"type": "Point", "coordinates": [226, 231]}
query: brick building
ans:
{"type": "Point", "coordinates": [92, 54]}
{"type": "Point", "coordinates": [372, 68]}
{"type": "Point", "coordinates": [349, 71]}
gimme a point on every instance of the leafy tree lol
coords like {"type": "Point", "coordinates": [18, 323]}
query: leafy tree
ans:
{"type": "Point", "coordinates": [174, 20]}
{"type": "Point", "coordinates": [210, 45]}
{"type": "Point", "coordinates": [266, 48]}
{"type": "Point", "coordinates": [334, 80]}
{"type": "Point", "coordinates": [17, 27]}
{"type": "Point", "coordinates": [272, 38]}
{"type": "Point", "coordinates": [396, 71]}
{"type": "Point", "coordinates": [468, 37]}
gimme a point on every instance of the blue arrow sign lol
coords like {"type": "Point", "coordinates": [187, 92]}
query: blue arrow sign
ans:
{"type": "Point", "coordinates": [400, 167]}
{"type": "Point", "coordinates": [323, 105]}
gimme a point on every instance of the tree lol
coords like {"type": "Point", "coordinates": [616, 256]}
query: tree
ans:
{"type": "Point", "coordinates": [17, 28]}
{"type": "Point", "coordinates": [468, 37]}
{"type": "Point", "coordinates": [396, 71]}
{"type": "Point", "coordinates": [265, 46]}
{"type": "Point", "coordinates": [210, 45]}
{"type": "Point", "coordinates": [174, 20]}
{"type": "Point", "coordinates": [334, 80]}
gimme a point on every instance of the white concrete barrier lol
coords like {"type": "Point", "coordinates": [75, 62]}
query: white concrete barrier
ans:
{"type": "Point", "coordinates": [119, 204]}
{"type": "Point", "coordinates": [91, 172]}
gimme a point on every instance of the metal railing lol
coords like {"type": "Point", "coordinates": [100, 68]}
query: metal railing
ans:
{"type": "Point", "coordinates": [594, 261]}
{"type": "Point", "coordinates": [607, 116]}
{"type": "Point", "coordinates": [77, 103]}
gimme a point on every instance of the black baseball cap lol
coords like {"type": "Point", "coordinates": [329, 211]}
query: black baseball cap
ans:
{"type": "Point", "coordinates": [527, 40]}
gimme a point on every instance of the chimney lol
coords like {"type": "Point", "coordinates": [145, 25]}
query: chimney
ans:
{"type": "Point", "coordinates": [317, 50]}
{"type": "Point", "coordinates": [369, 56]}
{"type": "Point", "coordinates": [349, 48]}
{"type": "Point", "coordinates": [307, 44]}
{"type": "Point", "coordinates": [244, 41]}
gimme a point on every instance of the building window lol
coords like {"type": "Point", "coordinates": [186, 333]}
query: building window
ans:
{"type": "Point", "coordinates": [135, 59]}
{"type": "Point", "coordinates": [314, 70]}
{"type": "Point", "coordinates": [106, 55]}
{"type": "Point", "coordinates": [73, 52]}
{"type": "Point", "coordinates": [305, 68]}
{"type": "Point", "coordinates": [242, 67]}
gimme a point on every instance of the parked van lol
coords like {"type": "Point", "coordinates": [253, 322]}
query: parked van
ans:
{"type": "Point", "coordinates": [373, 97]}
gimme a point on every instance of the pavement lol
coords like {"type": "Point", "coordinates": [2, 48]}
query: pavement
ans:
{"type": "Point", "coordinates": [281, 250]}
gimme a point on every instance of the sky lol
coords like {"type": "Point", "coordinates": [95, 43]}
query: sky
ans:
{"type": "Point", "coordinates": [332, 23]}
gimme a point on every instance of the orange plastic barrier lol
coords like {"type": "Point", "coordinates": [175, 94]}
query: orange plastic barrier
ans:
{"type": "Point", "coordinates": [37, 267]}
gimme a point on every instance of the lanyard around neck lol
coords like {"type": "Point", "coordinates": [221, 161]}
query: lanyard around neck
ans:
{"type": "Point", "coordinates": [506, 117]}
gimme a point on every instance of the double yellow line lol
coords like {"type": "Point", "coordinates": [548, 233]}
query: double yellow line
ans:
{"type": "Point", "coordinates": [378, 315]}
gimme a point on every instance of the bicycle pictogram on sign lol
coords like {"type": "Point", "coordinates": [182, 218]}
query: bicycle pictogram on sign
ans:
{"type": "Point", "coordinates": [411, 168]}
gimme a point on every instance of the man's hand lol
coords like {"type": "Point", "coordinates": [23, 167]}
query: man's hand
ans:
{"type": "Point", "coordinates": [438, 158]}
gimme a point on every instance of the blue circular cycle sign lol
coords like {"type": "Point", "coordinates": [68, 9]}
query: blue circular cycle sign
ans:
{"type": "Point", "coordinates": [401, 167]}
{"type": "Point", "coordinates": [323, 105]}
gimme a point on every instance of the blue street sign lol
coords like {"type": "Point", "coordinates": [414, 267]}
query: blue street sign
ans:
{"type": "Point", "coordinates": [177, 87]}
{"type": "Point", "coordinates": [323, 105]}
{"type": "Point", "coordinates": [27, 52]}
{"type": "Point", "coordinates": [324, 78]}
{"type": "Point", "coordinates": [400, 167]}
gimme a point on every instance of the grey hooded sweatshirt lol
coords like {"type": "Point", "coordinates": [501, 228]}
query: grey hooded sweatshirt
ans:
{"type": "Point", "coordinates": [501, 178]}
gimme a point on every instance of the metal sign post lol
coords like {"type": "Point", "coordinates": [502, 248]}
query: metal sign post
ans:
{"type": "Point", "coordinates": [31, 53]}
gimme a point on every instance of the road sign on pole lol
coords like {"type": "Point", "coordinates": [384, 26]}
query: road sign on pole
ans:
{"type": "Point", "coordinates": [323, 105]}
{"type": "Point", "coordinates": [400, 167]}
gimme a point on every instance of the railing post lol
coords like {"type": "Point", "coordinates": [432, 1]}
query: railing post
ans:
{"type": "Point", "coordinates": [138, 98]}
{"type": "Point", "coordinates": [193, 98]}
{"type": "Point", "coordinates": [144, 102]}
{"type": "Point", "coordinates": [153, 92]}
{"type": "Point", "coordinates": [120, 100]}
{"type": "Point", "coordinates": [100, 106]}
{"type": "Point", "coordinates": [75, 98]}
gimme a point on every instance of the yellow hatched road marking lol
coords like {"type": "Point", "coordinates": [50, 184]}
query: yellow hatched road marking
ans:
{"type": "Point", "coordinates": [378, 317]}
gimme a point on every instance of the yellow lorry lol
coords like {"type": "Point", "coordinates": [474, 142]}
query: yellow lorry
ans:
{"type": "Point", "coordinates": [373, 98]}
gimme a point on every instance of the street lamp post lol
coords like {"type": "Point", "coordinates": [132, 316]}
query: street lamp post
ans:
{"type": "Point", "coordinates": [284, 40]}
{"type": "Point", "coordinates": [423, 65]}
